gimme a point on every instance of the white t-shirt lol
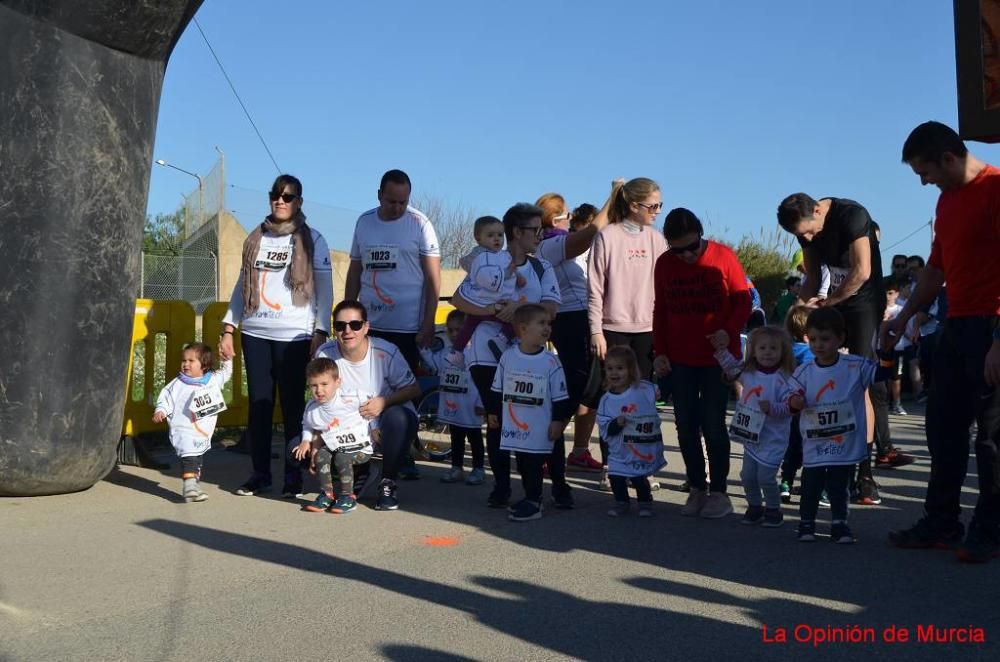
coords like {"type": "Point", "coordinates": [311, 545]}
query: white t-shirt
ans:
{"type": "Point", "coordinates": [570, 274]}
{"type": "Point", "coordinates": [277, 318]}
{"type": "Point", "coordinates": [764, 438]}
{"type": "Point", "coordinates": [487, 282]}
{"type": "Point", "coordinates": [834, 421]}
{"type": "Point", "coordinates": [534, 290]}
{"type": "Point", "coordinates": [392, 276]}
{"type": "Point", "coordinates": [383, 371]}
{"type": "Point", "coordinates": [528, 384]}
{"type": "Point", "coordinates": [458, 397]}
{"type": "Point", "coordinates": [637, 450]}
{"type": "Point", "coordinates": [190, 433]}
{"type": "Point", "coordinates": [338, 423]}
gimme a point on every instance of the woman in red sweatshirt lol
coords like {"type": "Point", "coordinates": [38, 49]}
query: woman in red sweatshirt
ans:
{"type": "Point", "coordinates": [702, 302]}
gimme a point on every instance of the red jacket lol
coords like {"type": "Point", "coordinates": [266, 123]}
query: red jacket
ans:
{"type": "Point", "coordinates": [694, 300]}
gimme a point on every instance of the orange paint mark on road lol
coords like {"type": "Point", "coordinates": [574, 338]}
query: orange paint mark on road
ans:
{"type": "Point", "coordinates": [440, 541]}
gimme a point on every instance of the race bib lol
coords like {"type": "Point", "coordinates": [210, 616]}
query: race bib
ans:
{"type": "Point", "coordinates": [837, 278]}
{"type": "Point", "coordinates": [273, 257]}
{"type": "Point", "coordinates": [746, 423]}
{"type": "Point", "coordinates": [454, 381]}
{"type": "Point", "coordinates": [350, 438]}
{"type": "Point", "coordinates": [381, 257]}
{"type": "Point", "coordinates": [642, 429]}
{"type": "Point", "coordinates": [524, 388]}
{"type": "Point", "coordinates": [828, 420]}
{"type": "Point", "coordinates": [207, 401]}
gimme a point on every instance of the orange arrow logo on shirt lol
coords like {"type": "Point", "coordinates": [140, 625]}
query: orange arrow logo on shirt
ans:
{"type": "Point", "coordinates": [263, 280]}
{"type": "Point", "coordinates": [756, 390]}
{"type": "Point", "coordinates": [381, 296]}
{"type": "Point", "coordinates": [194, 422]}
{"type": "Point", "coordinates": [644, 457]}
{"type": "Point", "coordinates": [829, 386]}
{"type": "Point", "coordinates": [629, 409]}
{"type": "Point", "coordinates": [334, 423]}
{"type": "Point", "coordinates": [521, 425]}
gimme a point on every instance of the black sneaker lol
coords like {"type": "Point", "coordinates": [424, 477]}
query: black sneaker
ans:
{"type": "Point", "coordinates": [563, 499]}
{"type": "Point", "coordinates": [925, 535]}
{"type": "Point", "coordinates": [773, 518]}
{"type": "Point", "coordinates": [256, 485]}
{"type": "Point", "coordinates": [525, 511]}
{"type": "Point", "coordinates": [867, 494]}
{"type": "Point", "coordinates": [498, 499]}
{"type": "Point", "coordinates": [841, 534]}
{"type": "Point", "coordinates": [387, 496]}
{"type": "Point", "coordinates": [980, 545]}
{"type": "Point", "coordinates": [806, 532]}
{"type": "Point", "coordinates": [753, 515]}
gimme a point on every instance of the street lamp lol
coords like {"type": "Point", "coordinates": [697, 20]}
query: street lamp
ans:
{"type": "Point", "coordinates": [201, 189]}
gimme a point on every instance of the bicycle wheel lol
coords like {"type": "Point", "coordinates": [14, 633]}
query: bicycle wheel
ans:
{"type": "Point", "coordinates": [433, 437]}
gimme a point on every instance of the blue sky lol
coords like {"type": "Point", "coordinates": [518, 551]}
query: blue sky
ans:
{"type": "Point", "coordinates": [729, 105]}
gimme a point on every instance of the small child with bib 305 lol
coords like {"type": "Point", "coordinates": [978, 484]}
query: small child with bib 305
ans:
{"type": "Point", "coordinates": [333, 433]}
{"type": "Point", "coordinates": [190, 404]}
{"type": "Point", "coordinates": [629, 423]}
{"type": "Point", "coordinates": [762, 418]}
{"type": "Point", "coordinates": [830, 393]}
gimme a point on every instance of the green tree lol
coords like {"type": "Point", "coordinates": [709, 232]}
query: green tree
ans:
{"type": "Point", "coordinates": [163, 234]}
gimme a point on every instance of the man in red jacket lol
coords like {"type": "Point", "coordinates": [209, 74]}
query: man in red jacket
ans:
{"type": "Point", "coordinates": [702, 302]}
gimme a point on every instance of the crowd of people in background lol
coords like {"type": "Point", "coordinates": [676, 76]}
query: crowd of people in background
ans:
{"type": "Point", "coordinates": [593, 315]}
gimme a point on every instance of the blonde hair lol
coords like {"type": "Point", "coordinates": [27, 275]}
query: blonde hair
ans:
{"type": "Point", "coordinates": [624, 354]}
{"type": "Point", "coordinates": [786, 362]}
{"type": "Point", "coordinates": [623, 195]}
{"type": "Point", "coordinates": [552, 205]}
{"type": "Point", "coordinates": [795, 322]}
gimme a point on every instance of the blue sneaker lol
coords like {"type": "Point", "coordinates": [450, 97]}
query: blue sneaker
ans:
{"type": "Point", "coordinates": [320, 504]}
{"type": "Point", "coordinates": [346, 503]}
{"type": "Point", "coordinates": [525, 511]}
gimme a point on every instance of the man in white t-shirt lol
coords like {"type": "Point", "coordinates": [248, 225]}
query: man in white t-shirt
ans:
{"type": "Point", "coordinates": [395, 269]}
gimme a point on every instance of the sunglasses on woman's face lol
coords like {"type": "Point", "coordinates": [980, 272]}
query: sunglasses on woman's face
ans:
{"type": "Point", "coordinates": [355, 325]}
{"type": "Point", "coordinates": [690, 248]}
{"type": "Point", "coordinates": [287, 198]}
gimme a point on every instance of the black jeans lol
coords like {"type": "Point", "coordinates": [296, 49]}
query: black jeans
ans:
{"type": "Point", "coordinates": [832, 479]}
{"type": "Point", "coordinates": [700, 399]}
{"type": "Point", "coordinates": [958, 396]}
{"type": "Point", "coordinates": [619, 485]}
{"type": "Point", "coordinates": [571, 337]}
{"type": "Point", "coordinates": [458, 437]}
{"type": "Point", "coordinates": [863, 321]}
{"type": "Point", "coordinates": [530, 466]}
{"type": "Point", "coordinates": [482, 376]}
{"type": "Point", "coordinates": [793, 454]}
{"type": "Point", "coordinates": [269, 364]}
{"type": "Point", "coordinates": [641, 344]}
{"type": "Point", "coordinates": [398, 425]}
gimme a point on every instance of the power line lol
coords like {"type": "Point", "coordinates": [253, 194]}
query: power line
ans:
{"type": "Point", "coordinates": [237, 95]}
{"type": "Point", "coordinates": [928, 224]}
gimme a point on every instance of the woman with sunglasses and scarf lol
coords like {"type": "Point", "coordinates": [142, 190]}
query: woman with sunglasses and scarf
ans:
{"type": "Point", "coordinates": [702, 302]}
{"type": "Point", "coordinates": [375, 374]}
{"type": "Point", "coordinates": [281, 304]}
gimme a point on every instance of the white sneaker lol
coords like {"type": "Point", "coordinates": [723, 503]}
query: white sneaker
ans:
{"type": "Point", "coordinates": [717, 506]}
{"type": "Point", "coordinates": [695, 502]}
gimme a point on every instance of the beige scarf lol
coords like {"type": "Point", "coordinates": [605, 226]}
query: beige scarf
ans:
{"type": "Point", "coordinates": [299, 275]}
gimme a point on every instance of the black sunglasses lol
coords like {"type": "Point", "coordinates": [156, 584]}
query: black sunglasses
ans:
{"type": "Point", "coordinates": [690, 248]}
{"type": "Point", "coordinates": [287, 198]}
{"type": "Point", "coordinates": [537, 229]}
{"type": "Point", "coordinates": [355, 325]}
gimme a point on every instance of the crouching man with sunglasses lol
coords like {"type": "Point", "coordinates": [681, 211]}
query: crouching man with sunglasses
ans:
{"type": "Point", "coordinates": [374, 373]}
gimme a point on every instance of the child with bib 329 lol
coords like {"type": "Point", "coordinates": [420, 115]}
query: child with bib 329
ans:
{"type": "Point", "coordinates": [762, 418]}
{"type": "Point", "coordinates": [191, 403]}
{"type": "Point", "coordinates": [629, 423]}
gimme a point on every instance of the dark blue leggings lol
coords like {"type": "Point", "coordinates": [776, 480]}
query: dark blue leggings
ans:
{"type": "Point", "coordinates": [398, 424]}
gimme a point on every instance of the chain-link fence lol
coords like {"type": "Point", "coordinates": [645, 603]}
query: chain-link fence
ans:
{"type": "Point", "coordinates": [205, 201]}
{"type": "Point", "coordinates": [187, 277]}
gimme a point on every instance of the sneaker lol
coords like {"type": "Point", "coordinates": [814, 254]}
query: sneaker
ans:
{"type": "Point", "coordinates": [292, 491]}
{"type": "Point", "coordinates": [346, 503]}
{"type": "Point", "coordinates": [192, 491]}
{"type": "Point", "coordinates": [841, 534]}
{"type": "Point", "coordinates": [387, 496]}
{"type": "Point", "coordinates": [806, 532]}
{"type": "Point", "coordinates": [753, 515]}
{"type": "Point", "coordinates": [583, 462]}
{"type": "Point", "coordinates": [604, 485]}
{"type": "Point", "coordinates": [824, 500]}
{"type": "Point", "coordinates": [685, 487]}
{"type": "Point", "coordinates": [980, 545]}
{"type": "Point", "coordinates": [922, 398]}
{"type": "Point", "coordinates": [897, 409]}
{"type": "Point", "coordinates": [476, 477]}
{"type": "Point", "coordinates": [695, 502]}
{"type": "Point", "coordinates": [894, 458]}
{"type": "Point", "coordinates": [620, 509]}
{"type": "Point", "coordinates": [786, 492]}
{"type": "Point", "coordinates": [409, 470]}
{"type": "Point", "coordinates": [256, 485]}
{"type": "Point", "coordinates": [498, 499]}
{"type": "Point", "coordinates": [320, 504]}
{"type": "Point", "coordinates": [926, 535]}
{"type": "Point", "coordinates": [646, 510]}
{"type": "Point", "coordinates": [717, 506]}
{"type": "Point", "coordinates": [525, 511]}
{"type": "Point", "coordinates": [654, 485]}
{"type": "Point", "coordinates": [796, 490]}
{"type": "Point", "coordinates": [454, 475]}
{"type": "Point", "coordinates": [867, 493]}
{"type": "Point", "coordinates": [563, 499]}
{"type": "Point", "coordinates": [773, 518]}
